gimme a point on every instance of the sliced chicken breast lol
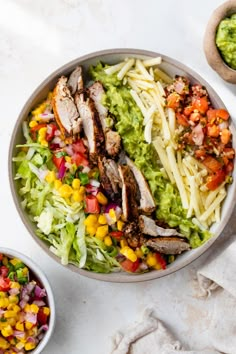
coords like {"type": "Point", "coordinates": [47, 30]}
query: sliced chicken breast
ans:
{"type": "Point", "coordinates": [75, 82]}
{"type": "Point", "coordinates": [149, 227]}
{"type": "Point", "coordinates": [168, 245]}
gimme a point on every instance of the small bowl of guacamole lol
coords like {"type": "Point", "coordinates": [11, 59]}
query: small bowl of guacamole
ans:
{"type": "Point", "coordinates": [220, 41]}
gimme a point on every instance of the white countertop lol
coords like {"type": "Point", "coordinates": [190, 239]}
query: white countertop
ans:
{"type": "Point", "coordinates": [36, 37]}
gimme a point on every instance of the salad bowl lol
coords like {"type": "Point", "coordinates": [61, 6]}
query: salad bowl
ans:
{"type": "Point", "coordinates": [172, 67]}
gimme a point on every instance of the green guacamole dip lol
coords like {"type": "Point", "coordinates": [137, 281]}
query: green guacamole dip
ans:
{"type": "Point", "coordinates": [226, 40]}
{"type": "Point", "coordinates": [130, 126]}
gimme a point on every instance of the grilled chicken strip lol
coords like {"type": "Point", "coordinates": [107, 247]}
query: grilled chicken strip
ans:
{"type": "Point", "coordinates": [91, 124]}
{"type": "Point", "coordinates": [112, 138]}
{"type": "Point", "coordinates": [129, 193]}
{"type": "Point", "coordinates": [109, 177]}
{"type": "Point", "coordinates": [147, 203]}
{"type": "Point", "coordinates": [171, 245]}
{"type": "Point", "coordinates": [64, 108]}
{"type": "Point", "coordinates": [75, 82]}
{"type": "Point", "coordinates": [113, 174]}
{"type": "Point", "coordinates": [149, 227]}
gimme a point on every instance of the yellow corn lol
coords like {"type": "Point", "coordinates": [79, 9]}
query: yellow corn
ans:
{"type": "Point", "coordinates": [34, 308]}
{"type": "Point", "coordinates": [19, 345]}
{"type": "Point", "coordinates": [102, 219]}
{"type": "Point", "coordinates": [120, 225]}
{"type": "Point", "coordinates": [15, 285]}
{"type": "Point", "coordinates": [129, 253]}
{"type": "Point", "coordinates": [9, 314]}
{"type": "Point", "coordinates": [30, 346]}
{"type": "Point", "coordinates": [4, 343]}
{"type": "Point", "coordinates": [33, 123]}
{"type": "Point", "coordinates": [46, 311]}
{"type": "Point", "coordinates": [3, 325]}
{"type": "Point", "coordinates": [33, 331]}
{"type": "Point", "coordinates": [3, 294]}
{"type": "Point", "coordinates": [5, 261]}
{"type": "Point", "coordinates": [27, 308]}
{"type": "Point", "coordinates": [4, 303]}
{"type": "Point", "coordinates": [151, 260]}
{"type": "Point", "coordinates": [57, 184]}
{"type": "Point", "coordinates": [65, 191]}
{"type": "Point", "coordinates": [40, 109]}
{"type": "Point", "coordinates": [13, 299]}
{"type": "Point", "coordinates": [43, 132]}
{"type": "Point", "coordinates": [43, 142]}
{"type": "Point", "coordinates": [7, 331]}
{"type": "Point", "coordinates": [25, 271]}
{"type": "Point", "coordinates": [77, 196]}
{"type": "Point", "coordinates": [123, 243]}
{"type": "Point", "coordinates": [123, 217]}
{"type": "Point", "coordinates": [157, 266]}
{"type": "Point", "coordinates": [139, 252]}
{"type": "Point", "coordinates": [91, 230]}
{"type": "Point", "coordinates": [68, 159]}
{"type": "Point", "coordinates": [102, 199]}
{"type": "Point", "coordinates": [51, 177]}
{"type": "Point", "coordinates": [76, 183]}
{"type": "Point", "coordinates": [91, 220]}
{"type": "Point", "coordinates": [112, 214]}
{"type": "Point", "coordinates": [20, 326]}
{"type": "Point", "coordinates": [102, 231]}
{"type": "Point", "coordinates": [82, 190]}
{"type": "Point", "coordinates": [11, 321]}
{"type": "Point", "coordinates": [15, 261]}
{"type": "Point", "coordinates": [108, 241]}
{"type": "Point", "coordinates": [28, 325]}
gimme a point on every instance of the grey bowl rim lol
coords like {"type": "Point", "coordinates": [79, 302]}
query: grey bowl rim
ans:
{"type": "Point", "coordinates": [119, 277]}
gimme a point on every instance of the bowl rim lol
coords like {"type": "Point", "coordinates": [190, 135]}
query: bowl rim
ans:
{"type": "Point", "coordinates": [46, 284]}
{"type": "Point", "coordinates": [117, 277]}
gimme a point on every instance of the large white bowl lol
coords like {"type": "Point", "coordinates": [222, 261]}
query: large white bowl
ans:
{"type": "Point", "coordinates": [112, 56]}
{"type": "Point", "coordinates": [41, 277]}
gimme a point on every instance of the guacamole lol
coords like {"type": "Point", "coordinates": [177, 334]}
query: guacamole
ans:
{"type": "Point", "coordinates": [129, 124]}
{"type": "Point", "coordinates": [226, 40]}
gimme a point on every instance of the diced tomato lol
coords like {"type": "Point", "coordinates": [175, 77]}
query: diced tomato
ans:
{"type": "Point", "coordinates": [160, 260]}
{"type": "Point", "coordinates": [4, 283]}
{"type": "Point", "coordinates": [42, 318]}
{"type": "Point", "coordinates": [188, 110]}
{"type": "Point", "coordinates": [92, 205]}
{"type": "Point", "coordinates": [79, 159]}
{"type": "Point", "coordinates": [117, 234]}
{"type": "Point", "coordinates": [215, 180]}
{"type": "Point", "coordinates": [225, 136]}
{"type": "Point", "coordinates": [57, 161]}
{"type": "Point", "coordinates": [213, 130]}
{"type": "Point", "coordinates": [130, 266]}
{"type": "Point", "coordinates": [222, 113]}
{"type": "Point", "coordinates": [4, 271]}
{"type": "Point", "coordinates": [200, 153]}
{"type": "Point", "coordinates": [211, 163]}
{"type": "Point", "coordinates": [182, 119]}
{"type": "Point", "coordinates": [78, 146]}
{"type": "Point", "coordinates": [195, 117]}
{"type": "Point", "coordinates": [200, 103]}
{"type": "Point", "coordinates": [173, 100]}
{"type": "Point", "coordinates": [229, 167]}
{"type": "Point", "coordinates": [229, 153]}
{"type": "Point", "coordinates": [51, 128]}
{"type": "Point", "coordinates": [1, 256]}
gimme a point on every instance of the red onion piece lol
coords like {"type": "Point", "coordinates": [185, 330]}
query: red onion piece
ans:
{"type": "Point", "coordinates": [39, 303]}
{"type": "Point", "coordinates": [14, 291]}
{"type": "Point", "coordinates": [39, 292]}
{"type": "Point", "coordinates": [19, 334]}
{"type": "Point", "coordinates": [31, 317]}
{"type": "Point", "coordinates": [62, 170]}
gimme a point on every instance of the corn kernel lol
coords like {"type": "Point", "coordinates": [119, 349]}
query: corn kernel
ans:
{"type": "Point", "coordinates": [139, 252]}
{"type": "Point", "coordinates": [30, 346]}
{"type": "Point", "coordinates": [3, 325]}
{"type": "Point", "coordinates": [112, 214]}
{"type": "Point", "coordinates": [129, 253]}
{"type": "Point", "coordinates": [11, 321]}
{"type": "Point", "coordinates": [20, 326]}
{"type": "Point", "coordinates": [102, 231]}
{"type": "Point", "coordinates": [33, 124]}
{"type": "Point", "coordinates": [68, 159]}
{"type": "Point", "coordinates": [25, 271]}
{"type": "Point", "coordinates": [9, 314]}
{"type": "Point", "coordinates": [33, 331]}
{"type": "Point", "coordinates": [28, 325]}
{"type": "Point", "coordinates": [77, 196]}
{"type": "Point", "coordinates": [13, 299]}
{"type": "Point", "coordinates": [151, 260]}
{"type": "Point", "coordinates": [34, 308]}
{"type": "Point", "coordinates": [91, 220]}
{"type": "Point", "coordinates": [4, 344]}
{"type": "Point", "coordinates": [15, 261]}
{"type": "Point", "coordinates": [91, 230]}
{"type": "Point", "coordinates": [5, 261]}
{"type": "Point", "coordinates": [57, 184]}
{"type": "Point", "coordinates": [102, 219]}
{"type": "Point", "coordinates": [3, 294]}
{"type": "Point", "coordinates": [46, 311]}
{"type": "Point", "coordinates": [43, 132]}
{"type": "Point", "coordinates": [76, 183]}
{"type": "Point", "coordinates": [108, 241]}
{"type": "Point", "coordinates": [44, 142]}
{"type": "Point", "coordinates": [14, 285]}
{"type": "Point", "coordinates": [50, 177]}
{"type": "Point", "coordinates": [102, 199]}
{"type": "Point", "coordinates": [19, 345]}
{"type": "Point", "coordinates": [4, 303]}
{"type": "Point", "coordinates": [7, 331]}
{"type": "Point", "coordinates": [123, 217]}
{"type": "Point", "coordinates": [82, 190]}
{"type": "Point", "coordinates": [157, 266]}
{"type": "Point", "coordinates": [120, 225]}
{"type": "Point", "coordinates": [65, 191]}
{"type": "Point", "coordinates": [27, 308]}
{"type": "Point", "coordinates": [123, 243]}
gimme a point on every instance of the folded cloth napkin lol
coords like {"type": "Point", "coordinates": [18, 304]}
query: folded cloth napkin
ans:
{"type": "Point", "coordinates": [150, 336]}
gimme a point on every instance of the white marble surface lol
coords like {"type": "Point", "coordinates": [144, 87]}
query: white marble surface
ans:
{"type": "Point", "coordinates": [36, 37]}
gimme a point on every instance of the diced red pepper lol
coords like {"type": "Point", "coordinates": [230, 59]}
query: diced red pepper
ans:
{"type": "Point", "coordinates": [38, 126]}
{"type": "Point", "coordinates": [117, 234]}
{"type": "Point", "coordinates": [57, 161]}
{"type": "Point", "coordinates": [1, 256]}
{"type": "Point", "coordinates": [215, 180]}
{"type": "Point", "coordinates": [130, 266]}
{"type": "Point", "coordinates": [52, 128]}
{"type": "Point", "coordinates": [79, 159]}
{"type": "Point", "coordinates": [4, 283]}
{"type": "Point", "coordinates": [4, 271]}
{"type": "Point", "coordinates": [42, 318]}
{"type": "Point", "coordinates": [92, 205]}
{"type": "Point", "coordinates": [160, 260]}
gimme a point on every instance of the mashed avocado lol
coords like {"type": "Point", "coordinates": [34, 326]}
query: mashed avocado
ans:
{"type": "Point", "coordinates": [130, 126]}
{"type": "Point", "coordinates": [226, 40]}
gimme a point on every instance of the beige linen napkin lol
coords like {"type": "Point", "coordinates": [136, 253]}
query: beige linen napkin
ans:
{"type": "Point", "coordinates": [150, 336]}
